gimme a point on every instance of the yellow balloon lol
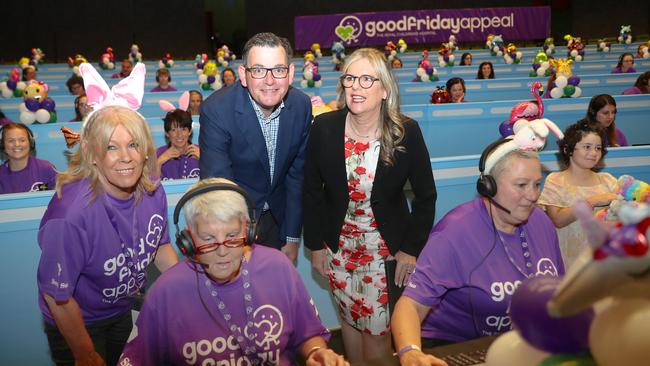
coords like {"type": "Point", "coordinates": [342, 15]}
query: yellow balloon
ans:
{"type": "Point", "coordinates": [210, 69]}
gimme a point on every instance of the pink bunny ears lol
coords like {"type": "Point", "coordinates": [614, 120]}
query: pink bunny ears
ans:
{"type": "Point", "coordinates": [127, 93]}
{"type": "Point", "coordinates": [183, 103]}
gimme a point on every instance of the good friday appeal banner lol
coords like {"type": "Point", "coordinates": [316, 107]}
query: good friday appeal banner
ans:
{"type": "Point", "coordinates": [423, 26]}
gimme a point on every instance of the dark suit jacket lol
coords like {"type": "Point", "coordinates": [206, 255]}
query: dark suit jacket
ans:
{"type": "Point", "coordinates": [232, 146]}
{"type": "Point", "coordinates": [326, 197]}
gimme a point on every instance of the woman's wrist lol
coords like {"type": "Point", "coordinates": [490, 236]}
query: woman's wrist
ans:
{"type": "Point", "coordinates": [408, 348]}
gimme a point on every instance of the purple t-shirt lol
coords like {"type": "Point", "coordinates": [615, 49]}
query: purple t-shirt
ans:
{"type": "Point", "coordinates": [179, 323]}
{"type": "Point", "coordinates": [618, 70]}
{"type": "Point", "coordinates": [159, 89]}
{"type": "Point", "coordinates": [632, 91]}
{"type": "Point", "coordinates": [464, 242]}
{"type": "Point", "coordinates": [182, 168]}
{"type": "Point", "coordinates": [32, 178]}
{"type": "Point", "coordinates": [621, 140]}
{"type": "Point", "coordinates": [97, 251]}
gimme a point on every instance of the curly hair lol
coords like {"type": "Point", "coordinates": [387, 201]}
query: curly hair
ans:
{"type": "Point", "coordinates": [574, 134]}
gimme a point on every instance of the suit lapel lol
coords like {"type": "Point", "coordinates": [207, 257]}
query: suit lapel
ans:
{"type": "Point", "coordinates": [337, 144]}
{"type": "Point", "coordinates": [250, 129]}
{"type": "Point", "coordinates": [285, 129]}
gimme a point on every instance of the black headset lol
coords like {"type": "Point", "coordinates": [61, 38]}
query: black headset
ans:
{"type": "Point", "coordinates": [158, 76]}
{"type": "Point", "coordinates": [486, 185]}
{"type": "Point", "coordinates": [184, 239]}
{"type": "Point", "coordinates": [30, 137]}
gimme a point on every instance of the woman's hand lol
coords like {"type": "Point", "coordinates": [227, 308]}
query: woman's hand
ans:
{"type": "Point", "coordinates": [325, 357]}
{"type": "Point", "coordinates": [171, 153]}
{"type": "Point", "coordinates": [193, 151]}
{"type": "Point", "coordinates": [319, 261]}
{"type": "Point", "coordinates": [416, 357]}
{"type": "Point", "coordinates": [600, 200]}
{"type": "Point", "coordinates": [404, 268]}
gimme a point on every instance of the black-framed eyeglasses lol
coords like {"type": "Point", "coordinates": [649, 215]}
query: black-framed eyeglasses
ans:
{"type": "Point", "coordinates": [365, 81]}
{"type": "Point", "coordinates": [229, 243]}
{"type": "Point", "coordinates": [257, 72]}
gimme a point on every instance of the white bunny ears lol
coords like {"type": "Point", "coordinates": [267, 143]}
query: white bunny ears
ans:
{"type": "Point", "coordinates": [127, 93]}
{"type": "Point", "coordinates": [183, 103]}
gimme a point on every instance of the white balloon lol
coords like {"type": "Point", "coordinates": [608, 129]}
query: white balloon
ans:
{"type": "Point", "coordinates": [22, 107]}
{"type": "Point", "coordinates": [499, 53]}
{"type": "Point", "coordinates": [308, 75]}
{"type": "Point", "coordinates": [510, 349]}
{"type": "Point", "coordinates": [495, 48]}
{"type": "Point", "coordinates": [27, 117]}
{"type": "Point", "coordinates": [216, 85]}
{"type": "Point", "coordinates": [606, 49]}
{"type": "Point", "coordinates": [578, 58]}
{"type": "Point", "coordinates": [577, 93]}
{"type": "Point", "coordinates": [420, 71]}
{"type": "Point", "coordinates": [7, 93]}
{"type": "Point", "coordinates": [561, 81]}
{"type": "Point", "coordinates": [541, 71]}
{"type": "Point", "coordinates": [75, 69]}
{"type": "Point", "coordinates": [203, 79]}
{"type": "Point", "coordinates": [303, 83]}
{"type": "Point", "coordinates": [318, 83]}
{"type": "Point", "coordinates": [3, 84]}
{"type": "Point", "coordinates": [628, 40]}
{"type": "Point", "coordinates": [111, 65]}
{"type": "Point", "coordinates": [509, 61]}
{"type": "Point", "coordinates": [424, 78]}
{"type": "Point", "coordinates": [549, 51]}
{"type": "Point", "coordinates": [199, 71]}
{"type": "Point", "coordinates": [519, 54]}
{"type": "Point", "coordinates": [161, 65]}
{"type": "Point", "coordinates": [170, 62]}
{"type": "Point", "coordinates": [42, 116]}
{"type": "Point", "coordinates": [574, 53]}
{"type": "Point", "coordinates": [545, 64]}
{"type": "Point", "coordinates": [21, 85]}
{"type": "Point", "coordinates": [442, 63]}
{"type": "Point", "coordinates": [451, 58]}
{"type": "Point", "coordinates": [225, 63]}
{"type": "Point", "coordinates": [557, 93]}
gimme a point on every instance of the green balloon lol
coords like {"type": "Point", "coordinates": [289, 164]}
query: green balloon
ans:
{"type": "Point", "coordinates": [311, 83]}
{"type": "Point", "coordinates": [532, 74]}
{"type": "Point", "coordinates": [52, 117]}
{"type": "Point", "coordinates": [569, 90]}
{"type": "Point", "coordinates": [433, 77]}
{"type": "Point", "coordinates": [451, 63]}
{"type": "Point", "coordinates": [18, 93]}
{"type": "Point", "coordinates": [205, 86]}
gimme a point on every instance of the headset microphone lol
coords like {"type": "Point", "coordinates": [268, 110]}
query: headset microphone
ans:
{"type": "Point", "coordinates": [498, 205]}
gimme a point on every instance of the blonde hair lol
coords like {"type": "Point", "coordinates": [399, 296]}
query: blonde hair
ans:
{"type": "Point", "coordinates": [222, 205]}
{"type": "Point", "coordinates": [95, 135]}
{"type": "Point", "coordinates": [392, 128]}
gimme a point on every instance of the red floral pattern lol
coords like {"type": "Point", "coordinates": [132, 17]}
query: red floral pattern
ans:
{"type": "Point", "coordinates": [357, 276]}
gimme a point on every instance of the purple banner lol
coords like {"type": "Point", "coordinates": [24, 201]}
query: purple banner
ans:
{"type": "Point", "coordinates": [423, 26]}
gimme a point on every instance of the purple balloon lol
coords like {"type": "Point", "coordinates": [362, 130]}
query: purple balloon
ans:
{"type": "Point", "coordinates": [211, 79]}
{"type": "Point", "coordinates": [429, 70]}
{"type": "Point", "coordinates": [48, 104]}
{"type": "Point", "coordinates": [536, 66]}
{"type": "Point", "coordinates": [556, 335]}
{"type": "Point", "coordinates": [505, 129]}
{"type": "Point", "coordinates": [316, 77]}
{"type": "Point", "coordinates": [32, 104]}
{"type": "Point", "coordinates": [446, 58]}
{"type": "Point", "coordinates": [574, 80]}
{"type": "Point", "coordinates": [11, 84]}
{"type": "Point", "coordinates": [200, 65]}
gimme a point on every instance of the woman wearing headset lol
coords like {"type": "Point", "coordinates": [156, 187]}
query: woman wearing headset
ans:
{"type": "Point", "coordinates": [22, 172]}
{"type": "Point", "coordinates": [163, 78]}
{"type": "Point", "coordinates": [625, 64]}
{"type": "Point", "coordinates": [216, 305]}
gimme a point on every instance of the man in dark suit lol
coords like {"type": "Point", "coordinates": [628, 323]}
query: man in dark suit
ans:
{"type": "Point", "coordinates": [255, 133]}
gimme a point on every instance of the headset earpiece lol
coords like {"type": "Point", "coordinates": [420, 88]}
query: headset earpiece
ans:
{"type": "Point", "coordinates": [486, 185]}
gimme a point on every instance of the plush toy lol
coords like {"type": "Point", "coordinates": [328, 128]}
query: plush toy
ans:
{"type": "Point", "coordinates": [440, 96]}
{"type": "Point", "coordinates": [315, 49]}
{"type": "Point", "coordinates": [318, 106]}
{"type": "Point", "coordinates": [166, 61]}
{"type": "Point", "coordinates": [445, 56]}
{"type": "Point", "coordinates": [36, 106]}
{"type": "Point", "coordinates": [541, 65]}
{"type": "Point", "coordinates": [24, 62]}
{"type": "Point", "coordinates": [511, 55]}
{"type": "Point", "coordinates": [495, 44]}
{"type": "Point", "coordinates": [604, 46]}
{"type": "Point", "coordinates": [630, 191]}
{"type": "Point", "coordinates": [134, 55]}
{"type": "Point", "coordinates": [425, 70]}
{"type": "Point", "coordinates": [209, 76]}
{"type": "Point", "coordinates": [625, 35]}
{"type": "Point", "coordinates": [390, 50]}
{"type": "Point", "coordinates": [75, 61]}
{"type": "Point", "coordinates": [453, 43]}
{"type": "Point", "coordinates": [224, 56]}
{"type": "Point", "coordinates": [338, 55]}
{"type": "Point", "coordinates": [38, 55]}
{"type": "Point", "coordinates": [13, 86]}
{"type": "Point", "coordinates": [401, 46]}
{"type": "Point", "coordinates": [576, 48]}
{"type": "Point", "coordinates": [549, 46]}
{"type": "Point", "coordinates": [566, 84]}
{"type": "Point", "coordinates": [311, 78]}
{"type": "Point", "coordinates": [107, 59]}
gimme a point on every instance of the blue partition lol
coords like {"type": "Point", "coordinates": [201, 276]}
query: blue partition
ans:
{"type": "Point", "coordinates": [20, 215]}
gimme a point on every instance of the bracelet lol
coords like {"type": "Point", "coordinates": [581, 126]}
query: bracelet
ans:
{"type": "Point", "coordinates": [408, 347]}
{"type": "Point", "coordinates": [312, 351]}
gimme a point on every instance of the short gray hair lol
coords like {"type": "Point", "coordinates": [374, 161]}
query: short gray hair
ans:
{"type": "Point", "coordinates": [267, 39]}
{"type": "Point", "coordinates": [222, 205]}
{"type": "Point", "coordinates": [501, 164]}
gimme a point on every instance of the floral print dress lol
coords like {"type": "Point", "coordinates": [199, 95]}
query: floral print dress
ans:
{"type": "Point", "coordinates": [357, 275]}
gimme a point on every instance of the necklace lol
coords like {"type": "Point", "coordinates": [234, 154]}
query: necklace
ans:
{"type": "Point", "coordinates": [525, 251]}
{"type": "Point", "coordinates": [246, 341]}
{"type": "Point", "coordinates": [351, 124]}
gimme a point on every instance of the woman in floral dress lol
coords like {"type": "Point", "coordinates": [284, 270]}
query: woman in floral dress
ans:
{"type": "Point", "coordinates": [358, 224]}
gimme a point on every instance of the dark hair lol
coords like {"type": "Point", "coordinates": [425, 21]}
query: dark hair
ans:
{"type": "Point", "coordinates": [453, 81]}
{"type": "Point", "coordinates": [266, 39]}
{"type": "Point", "coordinates": [642, 82]}
{"type": "Point", "coordinates": [228, 69]}
{"type": "Point", "coordinates": [179, 118]}
{"type": "Point", "coordinates": [574, 134]}
{"type": "Point", "coordinates": [620, 59]}
{"type": "Point", "coordinates": [77, 112]}
{"type": "Point", "coordinates": [463, 58]}
{"type": "Point", "coordinates": [479, 75]}
{"type": "Point", "coordinates": [25, 71]}
{"type": "Point", "coordinates": [74, 79]}
{"type": "Point", "coordinates": [597, 103]}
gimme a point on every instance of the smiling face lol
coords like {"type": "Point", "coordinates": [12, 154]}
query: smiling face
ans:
{"type": "Point", "coordinates": [588, 152]}
{"type": "Point", "coordinates": [16, 144]}
{"type": "Point", "coordinates": [195, 103]}
{"type": "Point", "coordinates": [269, 91]}
{"type": "Point", "coordinates": [486, 70]}
{"type": "Point", "coordinates": [606, 115]}
{"type": "Point", "coordinates": [627, 62]}
{"type": "Point", "coordinates": [457, 93]}
{"type": "Point", "coordinates": [229, 77]}
{"type": "Point", "coordinates": [119, 164]}
{"type": "Point", "coordinates": [179, 136]}
{"type": "Point", "coordinates": [361, 101]}
{"type": "Point", "coordinates": [222, 264]}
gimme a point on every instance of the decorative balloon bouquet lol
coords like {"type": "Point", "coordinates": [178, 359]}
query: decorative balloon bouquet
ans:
{"type": "Point", "coordinates": [625, 35]}
{"type": "Point", "coordinates": [445, 56]}
{"type": "Point", "coordinates": [495, 44]}
{"type": "Point", "coordinates": [604, 46]}
{"type": "Point", "coordinates": [338, 55]}
{"type": "Point", "coordinates": [565, 84]}
{"type": "Point", "coordinates": [166, 61]}
{"type": "Point", "coordinates": [315, 49]}
{"type": "Point", "coordinates": [36, 106]}
{"type": "Point", "coordinates": [511, 55]}
{"type": "Point", "coordinates": [541, 66]}
{"type": "Point", "coordinates": [440, 96]}
{"type": "Point", "coordinates": [134, 55]}
{"type": "Point", "coordinates": [401, 46]}
{"type": "Point", "coordinates": [209, 78]}
{"type": "Point", "coordinates": [35, 59]}
{"type": "Point", "coordinates": [224, 56]}
{"type": "Point", "coordinates": [576, 48]}
{"type": "Point", "coordinates": [107, 59]}
{"type": "Point", "coordinates": [390, 51]}
{"type": "Point", "coordinates": [425, 70]}
{"type": "Point", "coordinates": [75, 61]}
{"type": "Point", "coordinates": [453, 43]}
{"type": "Point", "coordinates": [13, 86]}
{"type": "Point", "coordinates": [310, 76]}
{"type": "Point", "coordinates": [549, 46]}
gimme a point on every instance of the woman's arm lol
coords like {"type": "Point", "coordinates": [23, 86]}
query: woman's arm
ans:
{"type": "Point", "coordinates": [166, 257]}
{"type": "Point", "coordinates": [563, 216]}
{"type": "Point", "coordinates": [69, 321]}
{"type": "Point", "coordinates": [405, 325]}
{"type": "Point", "coordinates": [315, 352]}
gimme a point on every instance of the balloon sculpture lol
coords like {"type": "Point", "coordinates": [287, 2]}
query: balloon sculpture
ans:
{"type": "Point", "coordinates": [566, 84]}
{"type": "Point", "coordinates": [453, 43]}
{"type": "Point", "coordinates": [338, 55]}
{"type": "Point", "coordinates": [425, 70]}
{"type": "Point", "coordinates": [75, 62]}
{"type": "Point", "coordinates": [36, 106]}
{"type": "Point", "coordinates": [390, 50]}
{"type": "Point", "coordinates": [495, 44]}
{"type": "Point", "coordinates": [541, 65]}
{"type": "Point", "coordinates": [445, 56]}
{"type": "Point", "coordinates": [209, 78]}
{"type": "Point", "coordinates": [135, 56]}
{"type": "Point", "coordinates": [107, 59]}
{"type": "Point", "coordinates": [166, 61]}
{"type": "Point", "coordinates": [224, 56]}
{"type": "Point", "coordinates": [549, 46]}
{"type": "Point", "coordinates": [576, 48]}
{"type": "Point", "coordinates": [13, 87]}
{"type": "Point", "coordinates": [511, 55]}
{"type": "Point", "coordinates": [310, 76]}
{"type": "Point", "coordinates": [401, 46]}
{"type": "Point", "coordinates": [604, 46]}
{"type": "Point", "coordinates": [625, 35]}
{"type": "Point", "coordinates": [315, 49]}
{"type": "Point", "coordinates": [199, 62]}
{"type": "Point", "coordinates": [440, 96]}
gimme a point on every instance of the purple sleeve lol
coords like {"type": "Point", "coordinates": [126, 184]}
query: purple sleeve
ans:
{"type": "Point", "coordinates": [620, 138]}
{"type": "Point", "coordinates": [146, 344]}
{"type": "Point", "coordinates": [164, 238]}
{"type": "Point", "coordinates": [62, 259]}
{"type": "Point", "coordinates": [616, 70]}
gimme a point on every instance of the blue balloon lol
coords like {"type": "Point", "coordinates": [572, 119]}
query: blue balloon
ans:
{"type": "Point", "coordinates": [505, 129]}
{"type": "Point", "coordinates": [316, 77]}
{"type": "Point", "coordinates": [429, 70]}
{"type": "Point", "coordinates": [200, 65]}
{"type": "Point", "coordinates": [536, 66]}
{"type": "Point", "coordinates": [574, 80]}
{"type": "Point", "coordinates": [11, 84]}
{"type": "Point", "coordinates": [211, 79]}
{"type": "Point", "coordinates": [48, 104]}
{"type": "Point", "coordinates": [32, 104]}
{"type": "Point", "coordinates": [446, 58]}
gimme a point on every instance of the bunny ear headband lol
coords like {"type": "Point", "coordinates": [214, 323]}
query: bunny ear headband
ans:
{"type": "Point", "coordinates": [183, 103]}
{"type": "Point", "coordinates": [127, 93]}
